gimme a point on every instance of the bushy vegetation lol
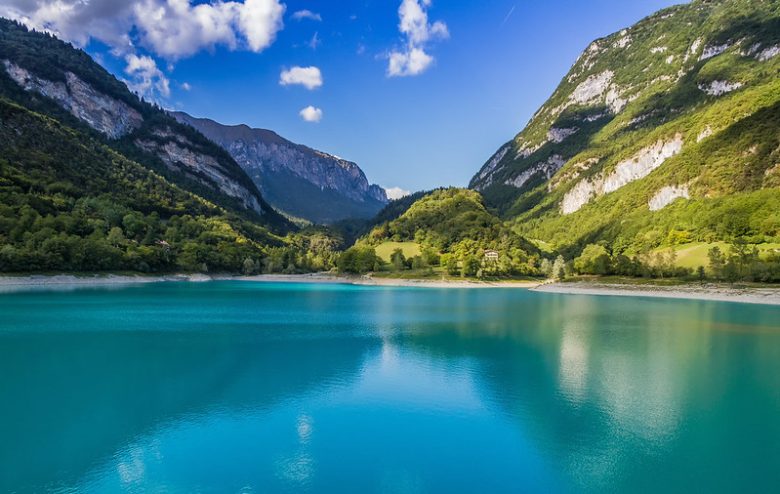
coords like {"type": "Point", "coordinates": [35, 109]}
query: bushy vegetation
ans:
{"type": "Point", "coordinates": [740, 262]}
{"type": "Point", "coordinates": [453, 230]}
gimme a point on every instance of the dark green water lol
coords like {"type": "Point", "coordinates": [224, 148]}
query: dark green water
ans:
{"type": "Point", "coordinates": [242, 387]}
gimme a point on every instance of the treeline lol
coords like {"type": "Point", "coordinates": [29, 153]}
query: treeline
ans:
{"type": "Point", "coordinates": [98, 235]}
{"type": "Point", "coordinates": [467, 260]}
{"type": "Point", "coordinates": [741, 262]}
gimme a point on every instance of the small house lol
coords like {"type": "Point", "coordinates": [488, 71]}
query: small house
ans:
{"type": "Point", "coordinates": [491, 255]}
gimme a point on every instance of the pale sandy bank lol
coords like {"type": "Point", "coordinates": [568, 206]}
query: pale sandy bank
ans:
{"type": "Point", "coordinates": [67, 281]}
{"type": "Point", "coordinates": [719, 293]}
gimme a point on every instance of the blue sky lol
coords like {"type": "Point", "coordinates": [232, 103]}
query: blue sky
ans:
{"type": "Point", "coordinates": [483, 69]}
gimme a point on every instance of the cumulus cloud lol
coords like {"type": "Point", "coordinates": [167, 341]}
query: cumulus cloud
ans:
{"type": "Point", "coordinates": [411, 62]}
{"type": "Point", "coordinates": [170, 29]}
{"type": "Point", "coordinates": [394, 193]}
{"type": "Point", "coordinates": [145, 78]}
{"type": "Point", "coordinates": [176, 29]}
{"type": "Point", "coordinates": [311, 114]}
{"type": "Point", "coordinates": [417, 33]}
{"type": "Point", "coordinates": [309, 77]}
{"type": "Point", "coordinates": [307, 14]}
{"type": "Point", "coordinates": [77, 21]}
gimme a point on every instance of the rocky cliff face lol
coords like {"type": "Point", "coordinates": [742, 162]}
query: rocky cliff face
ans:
{"type": "Point", "coordinates": [179, 154]}
{"type": "Point", "coordinates": [301, 181]}
{"type": "Point", "coordinates": [107, 115]}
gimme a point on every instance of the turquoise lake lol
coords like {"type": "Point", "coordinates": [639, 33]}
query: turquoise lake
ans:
{"type": "Point", "coordinates": [242, 387]}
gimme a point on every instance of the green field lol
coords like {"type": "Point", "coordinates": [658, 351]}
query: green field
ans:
{"type": "Point", "coordinates": [695, 255]}
{"type": "Point", "coordinates": [385, 249]}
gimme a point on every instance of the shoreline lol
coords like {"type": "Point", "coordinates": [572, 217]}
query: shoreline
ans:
{"type": "Point", "coordinates": [767, 295]}
{"type": "Point", "coordinates": [711, 292]}
{"type": "Point", "coordinates": [39, 281]}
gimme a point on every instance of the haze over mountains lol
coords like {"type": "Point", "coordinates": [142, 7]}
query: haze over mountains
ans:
{"type": "Point", "coordinates": [300, 181]}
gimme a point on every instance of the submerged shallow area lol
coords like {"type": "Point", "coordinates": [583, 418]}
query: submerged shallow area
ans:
{"type": "Point", "coordinates": [229, 386]}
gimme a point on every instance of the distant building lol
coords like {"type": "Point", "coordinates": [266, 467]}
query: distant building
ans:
{"type": "Point", "coordinates": [491, 255]}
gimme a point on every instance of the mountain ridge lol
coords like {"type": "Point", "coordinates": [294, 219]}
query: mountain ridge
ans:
{"type": "Point", "coordinates": [297, 179]}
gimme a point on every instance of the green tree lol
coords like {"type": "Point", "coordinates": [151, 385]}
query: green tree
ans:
{"type": "Point", "coordinates": [593, 260]}
{"type": "Point", "coordinates": [398, 260]}
{"type": "Point", "coordinates": [471, 266]}
{"type": "Point", "coordinates": [717, 262]}
{"type": "Point", "coordinates": [451, 264]}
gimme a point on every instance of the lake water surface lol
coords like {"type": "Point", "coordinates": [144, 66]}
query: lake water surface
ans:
{"type": "Point", "coordinates": [255, 387]}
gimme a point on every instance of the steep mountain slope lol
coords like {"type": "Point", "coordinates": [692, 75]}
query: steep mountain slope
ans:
{"type": "Point", "coordinates": [298, 180]}
{"type": "Point", "coordinates": [666, 132]}
{"type": "Point", "coordinates": [69, 202]}
{"type": "Point", "coordinates": [51, 77]}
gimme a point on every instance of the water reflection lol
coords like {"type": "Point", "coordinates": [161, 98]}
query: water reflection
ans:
{"type": "Point", "coordinates": [230, 387]}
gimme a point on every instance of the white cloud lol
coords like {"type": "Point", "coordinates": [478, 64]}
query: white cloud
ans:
{"type": "Point", "coordinates": [417, 32]}
{"type": "Point", "coordinates": [309, 77]}
{"type": "Point", "coordinates": [176, 29]}
{"type": "Point", "coordinates": [171, 29]}
{"type": "Point", "coordinates": [394, 193]}
{"type": "Point", "coordinates": [307, 14]}
{"type": "Point", "coordinates": [413, 62]}
{"type": "Point", "coordinates": [186, 86]}
{"type": "Point", "coordinates": [145, 78]}
{"type": "Point", "coordinates": [260, 20]}
{"type": "Point", "coordinates": [311, 114]}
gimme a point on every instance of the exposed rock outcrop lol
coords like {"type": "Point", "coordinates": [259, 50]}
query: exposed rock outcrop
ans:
{"type": "Point", "coordinates": [546, 168]}
{"type": "Point", "coordinates": [668, 195]}
{"type": "Point", "coordinates": [178, 155]}
{"type": "Point", "coordinates": [719, 88]}
{"type": "Point", "coordinates": [642, 163]}
{"type": "Point", "coordinates": [107, 115]}
{"type": "Point", "coordinates": [627, 171]}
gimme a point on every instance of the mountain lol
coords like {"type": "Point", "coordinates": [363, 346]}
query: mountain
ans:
{"type": "Point", "coordinates": [666, 132]}
{"type": "Point", "coordinates": [302, 182]}
{"type": "Point", "coordinates": [92, 178]}
{"type": "Point", "coordinates": [51, 77]}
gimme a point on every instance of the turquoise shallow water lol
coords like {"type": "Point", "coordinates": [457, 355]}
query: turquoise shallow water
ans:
{"type": "Point", "coordinates": [244, 387]}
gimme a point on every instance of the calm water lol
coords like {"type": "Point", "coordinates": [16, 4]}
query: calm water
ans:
{"type": "Point", "coordinates": [241, 387]}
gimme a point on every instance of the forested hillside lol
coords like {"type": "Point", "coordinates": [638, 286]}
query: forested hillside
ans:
{"type": "Point", "coordinates": [663, 134]}
{"type": "Point", "coordinates": [453, 229]}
